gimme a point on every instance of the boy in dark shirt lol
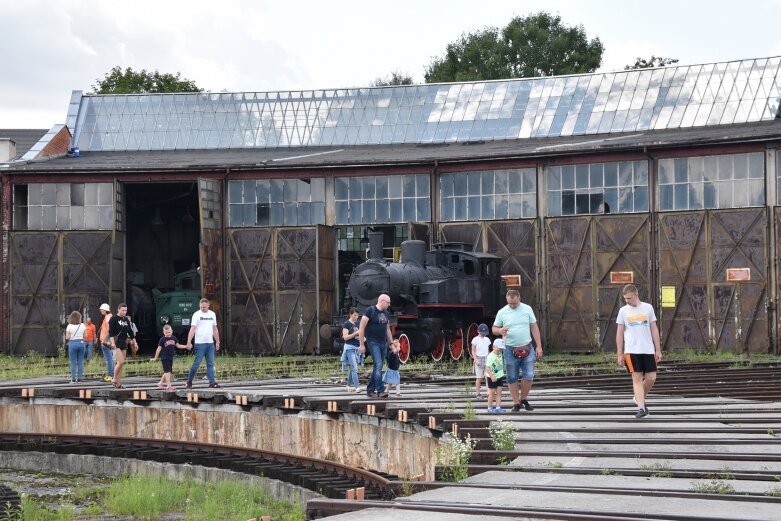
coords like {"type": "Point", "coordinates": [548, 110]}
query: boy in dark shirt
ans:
{"type": "Point", "coordinates": [166, 349]}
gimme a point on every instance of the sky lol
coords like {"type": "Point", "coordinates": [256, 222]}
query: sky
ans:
{"type": "Point", "coordinates": [52, 48]}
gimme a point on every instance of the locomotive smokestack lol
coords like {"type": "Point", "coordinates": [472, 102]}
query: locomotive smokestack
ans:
{"type": "Point", "coordinates": [375, 245]}
{"type": "Point", "coordinates": [414, 251]}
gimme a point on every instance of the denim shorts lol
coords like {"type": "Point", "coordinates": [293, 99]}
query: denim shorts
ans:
{"type": "Point", "coordinates": [515, 367]}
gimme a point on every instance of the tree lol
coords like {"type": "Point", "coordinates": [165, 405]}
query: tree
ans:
{"type": "Point", "coordinates": [655, 61]}
{"type": "Point", "coordinates": [129, 81]}
{"type": "Point", "coordinates": [535, 45]}
{"type": "Point", "coordinates": [395, 78]}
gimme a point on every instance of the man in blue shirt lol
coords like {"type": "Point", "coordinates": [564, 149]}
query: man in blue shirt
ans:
{"type": "Point", "coordinates": [517, 325]}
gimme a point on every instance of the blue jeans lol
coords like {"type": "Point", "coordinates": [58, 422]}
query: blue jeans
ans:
{"type": "Point", "coordinates": [519, 367]}
{"type": "Point", "coordinates": [351, 360]}
{"type": "Point", "coordinates": [76, 356]}
{"type": "Point", "coordinates": [108, 356]}
{"type": "Point", "coordinates": [88, 350]}
{"type": "Point", "coordinates": [201, 351]}
{"type": "Point", "coordinates": [378, 352]}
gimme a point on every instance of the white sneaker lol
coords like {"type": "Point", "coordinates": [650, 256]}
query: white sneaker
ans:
{"type": "Point", "coordinates": [358, 390]}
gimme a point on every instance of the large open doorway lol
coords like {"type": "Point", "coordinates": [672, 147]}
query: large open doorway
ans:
{"type": "Point", "coordinates": [162, 256]}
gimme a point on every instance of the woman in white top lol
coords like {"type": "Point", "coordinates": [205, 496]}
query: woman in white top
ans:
{"type": "Point", "coordinates": [74, 335]}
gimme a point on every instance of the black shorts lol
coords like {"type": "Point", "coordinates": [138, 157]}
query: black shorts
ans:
{"type": "Point", "coordinates": [494, 385]}
{"type": "Point", "coordinates": [168, 365]}
{"type": "Point", "coordinates": [640, 363]}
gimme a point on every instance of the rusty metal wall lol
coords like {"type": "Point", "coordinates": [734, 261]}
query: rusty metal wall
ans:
{"type": "Point", "coordinates": [52, 274]}
{"type": "Point", "coordinates": [275, 288]}
{"type": "Point", "coordinates": [581, 253]}
{"type": "Point", "coordinates": [695, 250]}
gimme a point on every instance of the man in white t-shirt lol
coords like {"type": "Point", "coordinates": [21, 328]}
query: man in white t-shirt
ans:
{"type": "Point", "coordinates": [637, 345]}
{"type": "Point", "coordinates": [206, 336]}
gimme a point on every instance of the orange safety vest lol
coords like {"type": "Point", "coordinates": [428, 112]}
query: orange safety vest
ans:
{"type": "Point", "coordinates": [89, 333]}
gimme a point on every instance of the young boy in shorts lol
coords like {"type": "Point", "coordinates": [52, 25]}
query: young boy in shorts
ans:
{"type": "Point", "coordinates": [480, 347]}
{"type": "Point", "coordinates": [166, 349]}
{"type": "Point", "coordinates": [494, 372]}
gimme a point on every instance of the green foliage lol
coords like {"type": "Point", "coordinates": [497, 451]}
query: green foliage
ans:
{"type": "Point", "coordinates": [609, 472]}
{"type": "Point", "coordinates": [654, 61]}
{"type": "Point", "coordinates": [395, 78]}
{"type": "Point", "coordinates": [128, 81]}
{"type": "Point", "coordinates": [530, 46]}
{"type": "Point", "coordinates": [554, 464]}
{"type": "Point", "coordinates": [502, 435]}
{"type": "Point", "coordinates": [453, 458]}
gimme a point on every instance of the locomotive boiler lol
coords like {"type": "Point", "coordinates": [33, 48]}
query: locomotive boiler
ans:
{"type": "Point", "coordinates": [438, 297]}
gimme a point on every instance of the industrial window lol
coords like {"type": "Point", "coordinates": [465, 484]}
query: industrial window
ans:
{"type": "Point", "coordinates": [356, 238]}
{"type": "Point", "coordinates": [615, 187]}
{"type": "Point", "coordinates": [276, 202]}
{"type": "Point", "coordinates": [488, 195]}
{"type": "Point", "coordinates": [382, 199]}
{"type": "Point", "coordinates": [725, 181]}
{"type": "Point", "coordinates": [63, 206]}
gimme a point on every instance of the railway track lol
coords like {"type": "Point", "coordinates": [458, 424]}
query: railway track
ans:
{"type": "Point", "coordinates": [710, 451]}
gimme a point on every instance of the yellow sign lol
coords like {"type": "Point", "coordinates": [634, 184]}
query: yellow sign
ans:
{"type": "Point", "coordinates": [668, 296]}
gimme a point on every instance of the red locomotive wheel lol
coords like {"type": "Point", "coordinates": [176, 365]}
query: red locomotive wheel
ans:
{"type": "Point", "coordinates": [439, 351]}
{"type": "Point", "coordinates": [404, 348]}
{"type": "Point", "coordinates": [456, 346]}
{"type": "Point", "coordinates": [471, 332]}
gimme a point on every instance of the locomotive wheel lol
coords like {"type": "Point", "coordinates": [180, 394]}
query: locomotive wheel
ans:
{"type": "Point", "coordinates": [456, 345]}
{"type": "Point", "coordinates": [404, 348]}
{"type": "Point", "coordinates": [439, 350]}
{"type": "Point", "coordinates": [471, 332]}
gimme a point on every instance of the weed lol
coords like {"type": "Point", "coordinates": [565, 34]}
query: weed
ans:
{"type": "Point", "coordinates": [469, 411]}
{"type": "Point", "coordinates": [453, 458]}
{"type": "Point", "coordinates": [659, 470]}
{"type": "Point", "coordinates": [770, 431]}
{"type": "Point", "coordinates": [724, 473]}
{"type": "Point", "coordinates": [609, 472]}
{"type": "Point", "coordinates": [502, 435]}
{"type": "Point", "coordinates": [554, 464]}
{"type": "Point", "coordinates": [775, 492]}
{"type": "Point", "coordinates": [712, 487]}
{"type": "Point", "coordinates": [406, 487]}
{"type": "Point", "coordinates": [502, 460]}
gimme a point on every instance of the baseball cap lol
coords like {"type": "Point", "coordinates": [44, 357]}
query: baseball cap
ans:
{"type": "Point", "coordinates": [104, 307]}
{"type": "Point", "coordinates": [482, 329]}
{"type": "Point", "coordinates": [499, 343]}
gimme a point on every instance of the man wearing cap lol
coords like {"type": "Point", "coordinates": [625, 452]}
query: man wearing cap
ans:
{"type": "Point", "coordinates": [480, 347]}
{"type": "Point", "coordinates": [516, 324]}
{"type": "Point", "coordinates": [105, 310]}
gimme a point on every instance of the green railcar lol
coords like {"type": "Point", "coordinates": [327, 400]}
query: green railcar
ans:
{"type": "Point", "coordinates": [177, 307]}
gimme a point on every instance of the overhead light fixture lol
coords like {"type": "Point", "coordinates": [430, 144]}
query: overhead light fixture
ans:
{"type": "Point", "coordinates": [157, 221]}
{"type": "Point", "coordinates": [187, 218]}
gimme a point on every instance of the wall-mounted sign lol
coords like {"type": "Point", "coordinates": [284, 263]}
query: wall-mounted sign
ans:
{"type": "Point", "coordinates": [738, 274]}
{"type": "Point", "coordinates": [668, 296]}
{"type": "Point", "coordinates": [622, 277]}
{"type": "Point", "coordinates": [512, 281]}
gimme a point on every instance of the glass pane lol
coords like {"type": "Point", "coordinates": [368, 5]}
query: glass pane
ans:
{"type": "Point", "coordinates": [249, 212]}
{"type": "Point", "coordinates": [291, 214]}
{"type": "Point", "coordinates": [666, 171]}
{"type": "Point", "coordinates": [553, 178]}
{"type": "Point", "coordinates": [290, 195]}
{"type": "Point", "coordinates": [105, 220]}
{"type": "Point", "coordinates": [567, 202]}
{"type": "Point", "coordinates": [263, 191]}
{"type": "Point", "coordinates": [581, 176]}
{"type": "Point", "coordinates": [77, 195]}
{"type": "Point", "coordinates": [340, 208]}
{"type": "Point", "coordinates": [459, 208]}
{"type": "Point", "coordinates": [473, 183]}
{"type": "Point", "coordinates": [567, 177]}
{"type": "Point", "coordinates": [756, 165]}
{"type": "Point", "coordinates": [340, 189]}
{"type": "Point", "coordinates": [235, 215]}
{"type": "Point", "coordinates": [581, 204]}
{"type": "Point", "coordinates": [382, 210]}
{"type": "Point", "coordinates": [739, 195]}
{"type": "Point", "coordinates": [408, 209]}
{"type": "Point", "coordinates": [394, 187]}
{"type": "Point", "coordinates": [487, 183]}
{"type": "Point", "coordinates": [641, 199]}
{"type": "Point", "coordinates": [368, 210]}
{"type": "Point", "coordinates": [681, 196]}
{"type": "Point", "coordinates": [395, 210]}
{"type": "Point", "coordinates": [64, 217]}
{"type": "Point", "coordinates": [423, 185]}
{"type": "Point", "coordinates": [48, 194]}
{"type": "Point", "coordinates": [63, 194]}
{"type": "Point", "coordinates": [459, 184]}
{"type": "Point", "coordinates": [611, 200]}
{"type": "Point", "coordinates": [711, 167]}
{"type": "Point", "coordinates": [356, 188]}
{"type": "Point", "coordinates": [625, 200]}
{"type": "Point", "coordinates": [725, 168]}
{"type": "Point", "coordinates": [595, 176]}
{"type": "Point", "coordinates": [446, 185]}
{"type": "Point", "coordinates": [696, 169]}
{"type": "Point", "coordinates": [381, 185]}
{"type": "Point", "coordinates": [529, 180]}
{"type": "Point", "coordinates": [709, 195]}
{"type": "Point", "coordinates": [356, 212]}
{"type": "Point", "coordinates": [408, 186]}
{"type": "Point", "coordinates": [665, 197]}
{"type": "Point", "coordinates": [249, 191]}
{"type": "Point", "coordinates": [368, 188]}
{"type": "Point", "coordinates": [625, 173]}
{"type": "Point", "coordinates": [554, 203]}
{"type": "Point", "coordinates": [724, 194]}
{"type": "Point", "coordinates": [304, 188]}
{"type": "Point", "coordinates": [515, 207]}
{"type": "Point", "coordinates": [90, 217]}
{"type": "Point", "coordinates": [304, 214]}
{"type": "Point", "coordinates": [424, 209]}
{"type": "Point", "coordinates": [501, 180]}
{"type": "Point", "coordinates": [756, 192]}
{"type": "Point", "coordinates": [740, 166]}
{"type": "Point", "coordinates": [262, 214]}
{"type": "Point", "coordinates": [446, 213]}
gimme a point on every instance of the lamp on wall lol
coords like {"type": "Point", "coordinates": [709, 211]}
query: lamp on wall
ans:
{"type": "Point", "coordinates": [157, 220]}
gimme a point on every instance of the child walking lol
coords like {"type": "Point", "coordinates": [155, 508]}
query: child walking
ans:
{"type": "Point", "coordinates": [165, 352]}
{"type": "Point", "coordinates": [494, 371]}
{"type": "Point", "coordinates": [480, 347]}
{"type": "Point", "coordinates": [392, 375]}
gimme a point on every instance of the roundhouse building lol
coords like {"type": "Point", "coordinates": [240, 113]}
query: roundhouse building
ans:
{"type": "Point", "coordinates": [667, 177]}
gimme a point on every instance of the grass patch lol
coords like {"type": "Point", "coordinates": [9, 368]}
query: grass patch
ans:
{"type": "Point", "coordinates": [149, 497]}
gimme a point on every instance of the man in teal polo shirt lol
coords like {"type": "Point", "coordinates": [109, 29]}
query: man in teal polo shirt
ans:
{"type": "Point", "coordinates": [517, 324]}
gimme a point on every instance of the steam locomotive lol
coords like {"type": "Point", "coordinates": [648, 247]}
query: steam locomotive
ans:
{"type": "Point", "coordinates": [438, 297]}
